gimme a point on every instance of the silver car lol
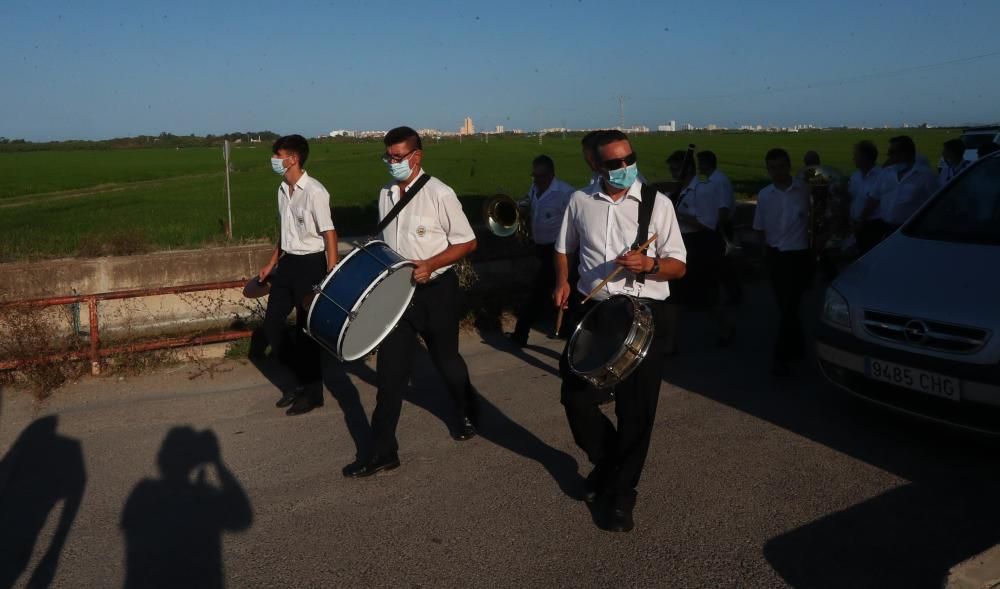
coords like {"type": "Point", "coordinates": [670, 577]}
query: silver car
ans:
{"type": "Point", "coordinates": [914, 325]}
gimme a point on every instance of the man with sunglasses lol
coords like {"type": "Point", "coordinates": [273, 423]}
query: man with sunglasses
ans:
{"type": "Point", "coordinates": [601, 224]}
{"type": "Point", "coordinates": [433, 232]}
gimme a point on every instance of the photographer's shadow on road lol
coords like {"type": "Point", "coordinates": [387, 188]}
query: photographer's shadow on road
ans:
{"type": "Point", "coordinates": [41, 469]}
{"type": "Point", "coordinates": [173, 525]}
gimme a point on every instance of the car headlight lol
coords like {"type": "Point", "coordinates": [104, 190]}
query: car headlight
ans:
{"type": "Point", "coordinates": [835, 309]}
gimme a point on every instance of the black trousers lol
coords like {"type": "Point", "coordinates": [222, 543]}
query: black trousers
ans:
{"type": "Point", "coordinates": [291, 282]}
{"type": "Point", "coordinates": [539, 300]}
{"type": "Point", "coordinates": [618, 453]}
{"type": "Point", "coordinates": [434, 317]}
{"type": "Point", "coordinates": [791, 275]}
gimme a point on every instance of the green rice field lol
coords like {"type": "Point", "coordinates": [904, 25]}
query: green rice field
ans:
{"type": "Point", "coordinates": [58, 203]}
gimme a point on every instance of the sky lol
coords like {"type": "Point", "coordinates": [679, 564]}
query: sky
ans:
{"type": "Point", "coordinates": [102, 69]}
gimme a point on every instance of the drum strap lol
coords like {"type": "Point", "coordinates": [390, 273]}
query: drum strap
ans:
{"type": "Point", "coordinates": [403, 201]}
{"type": "Point", "coordinates": [645, 214]}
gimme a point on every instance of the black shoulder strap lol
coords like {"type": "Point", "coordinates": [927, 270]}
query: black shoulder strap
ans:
{"type": "Point", "coordinates": [645, 214]}
{"type": "Point", "coordinates": [403, 201]}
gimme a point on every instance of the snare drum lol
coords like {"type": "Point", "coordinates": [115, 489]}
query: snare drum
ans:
{"type": "Point", "coordinates": [611, 341]}
{"type": "Point", "coordinates": [361, 301]}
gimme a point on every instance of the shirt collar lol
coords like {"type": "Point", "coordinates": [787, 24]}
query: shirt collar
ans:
{"type": "Point", "coordinates": [634, 192]}
{"type": "Point", "coordinates": [394, 186]}
{"type": "Point", "coordinates": [299, 184]}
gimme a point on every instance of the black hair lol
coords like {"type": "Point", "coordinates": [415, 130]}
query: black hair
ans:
{"type": "Point", "coordinates": [401, 134]}
{"type": "Point", "coordinates": [589, 141]}
{"type": "Point", "coordinates": [296, 144]}
{"type": "Point", "coordinates": [610, 136]}
{"type": "Point", "coordinates": [954, 146]}
{"type": "Point", "coordinates": [867, 149]}
{"type": "Point", "coordinates": [677, 157]}
{"type": "Point", "coordinates": [811, 158]}
{"type": "Point", "coordinates": [544, 161]}
{"type": "Point", "coordinates": [778, 154]}
{"type": "Point", "coordinates": [707, 159]}
{"type": "Point", "coordinates": [906, 144]}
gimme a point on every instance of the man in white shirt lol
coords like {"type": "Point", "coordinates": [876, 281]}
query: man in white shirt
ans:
{"type": "Point", "coordinates": [601, 225]}
{"type": "Point", "coordinates": [862, 181]}
{"type": "Point", "coordinates": [902, 187]}
{"type": "Point", "coordinates": [953, 156]}
{"type": "Point", "coordinates": [306, 252]}
{"type": "Point", "coordinates": [546, 204]}
{"type": "Point", "coordinates": [718, 182]}
{"type": "Point", "coordinates": [433, 232]}
{"type": "Point", "coordinates": [782, 215]}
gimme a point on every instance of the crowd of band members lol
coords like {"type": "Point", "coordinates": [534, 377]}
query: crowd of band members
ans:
{"type": "Point", "coordinates": [580, 235]}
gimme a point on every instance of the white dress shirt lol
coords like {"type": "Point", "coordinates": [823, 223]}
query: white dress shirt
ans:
{"type": "Point", "coordinates": [431, 222]}
{"type": "Point", "coordinates": [547, 210]}
{"type": "Point", "coordinates": [697, 207]}
{"type": "Point", "coordinates": [304, 213]}
{"type": "Point", "coordinates": [859, 186]}
{"type": "Point", "coordinates": [720, 182]}
{"type": "Point", "coordinates": [783, 216]}
{"type": "Point", "coordinates": [948, 171]}
{"type": "Point", "coordinates": [900, 197]}
{"type": "Point", "coordinates": [600, 229]}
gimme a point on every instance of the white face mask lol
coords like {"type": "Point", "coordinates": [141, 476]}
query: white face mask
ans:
{"type": "Point", "coordinates": [278, 165]}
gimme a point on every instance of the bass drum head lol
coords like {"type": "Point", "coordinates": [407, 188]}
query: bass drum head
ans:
{"type": "Point", "coordinates": [378, 313]}
{"type": "Point", "coordinates": [600, 336]}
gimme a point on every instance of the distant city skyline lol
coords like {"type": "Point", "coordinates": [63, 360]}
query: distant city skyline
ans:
{"type": "Point", "coordinates": [113, 68]}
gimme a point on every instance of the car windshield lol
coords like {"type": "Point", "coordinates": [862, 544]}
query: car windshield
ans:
{"type": "Point", "coordinates": [966, 211]}
{"type": "Point", "coordinates": [977, 140]}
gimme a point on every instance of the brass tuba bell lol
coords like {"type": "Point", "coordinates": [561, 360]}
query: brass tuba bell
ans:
{"type": "Point", "coordinates": [503, 216]}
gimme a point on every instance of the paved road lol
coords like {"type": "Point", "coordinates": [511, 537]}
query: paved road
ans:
{"type": "Point", "coordinates": [750, 482]}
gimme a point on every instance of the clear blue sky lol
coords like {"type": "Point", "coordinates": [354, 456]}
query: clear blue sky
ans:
{"type": "Point", "coordinates": [100, 69]}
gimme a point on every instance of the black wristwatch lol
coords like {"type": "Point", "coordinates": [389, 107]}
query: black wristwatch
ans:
{"type": "Point", "coordinates": [656, 266]}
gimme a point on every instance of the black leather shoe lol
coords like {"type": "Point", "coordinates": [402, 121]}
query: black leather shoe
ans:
{"type": "Point", "coordinates": [288, 398]}
{"type": "Point", "coordinates": [304, 404]}
{"type": "Point", "coordinates": [619, 519]}
{"type": "Point", "coordinates": [591, 487]}
{"type": "Point", "coordinates": [464, 431]}
{"type": "Point", "coordinates": [358, 470]}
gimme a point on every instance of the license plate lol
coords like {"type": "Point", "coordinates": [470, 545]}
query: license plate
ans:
{"type": "Point", "coordinates": [930, 383]}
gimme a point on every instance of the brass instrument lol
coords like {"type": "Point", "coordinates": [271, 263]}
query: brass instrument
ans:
{"type": "Point", "coordinates": [504, 217]}
{"type": "Point", "coordinates": [828, 206]}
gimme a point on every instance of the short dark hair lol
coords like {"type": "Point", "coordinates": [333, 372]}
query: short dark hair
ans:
{"type": "Point", "coordinates": [707, 159]}
{"type": "Point", "coordinates": [610, 136]}
{"type": "Point", "coordinates": [905, 143]}
{"type": "Point", "coordinates": [545, 162]}
{"type": "Point", "coordinates": [811, 158]}
{"type": "Point", "coordinates": [954, 146]}
{"type": "Point", "coordinates": [677, 157]}
{"type": "Point", "coordinates": [589, 141]}
{"type": "Point", "coordinates": [777, 154]}
{"type": "Point", "coordinates": [867, 149]}
{"type": "Point", "coordinates": [401, 134]}
{"type": "Point", "coordinates": [296, 144]}
{"type": "Point", "coordinates": [987, 148]}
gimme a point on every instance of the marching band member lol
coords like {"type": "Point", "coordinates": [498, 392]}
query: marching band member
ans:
{"type": "Point", "coordinates": [953, 154]}
{"type": "Point", "coordinates": [716, 181]}
{"type": "Point", "coordinates": [433, 231]}
{"type": "Point", "coordinates": [307, 252]}
{"type": "Point", "coordinates": [601, 224]}
{"type": "Point", "coordinates": [903, 186]}
{"type": "Point", "coordinates": [546, 202]}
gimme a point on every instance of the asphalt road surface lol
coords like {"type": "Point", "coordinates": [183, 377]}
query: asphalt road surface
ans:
{"type": "Point", "coordinates": [750, 482]}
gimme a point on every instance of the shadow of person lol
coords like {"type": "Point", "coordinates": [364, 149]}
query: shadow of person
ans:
{"type": "Point", "coordinates": [499, 342]}
{"type": "Point", "coordinates": [41, 469]}
{"type": "Point", "coordinates": [337, 380]}
{"type": "Point", "coordinates": [493, 425]}
{"type": "Point", "coordinates": [173, 525]}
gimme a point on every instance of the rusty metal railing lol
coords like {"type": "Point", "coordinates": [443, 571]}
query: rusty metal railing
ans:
{"type": "Point", "coordinates": [95, 352]}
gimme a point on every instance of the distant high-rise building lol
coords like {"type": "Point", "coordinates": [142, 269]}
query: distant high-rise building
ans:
{"type": "Point", "coordinates": [467, 127]}
{"type": "Point", "coordinates": [499, 129]}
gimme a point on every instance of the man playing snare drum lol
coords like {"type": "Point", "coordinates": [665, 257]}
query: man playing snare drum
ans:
{"type": "Point", "coordinates": [433, 232]}
{"type": "Point", "coordinates": [601, 224]}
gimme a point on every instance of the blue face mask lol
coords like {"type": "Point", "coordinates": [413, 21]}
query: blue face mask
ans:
{"type": "Point", "coordinates": [623, 177]}
{"type": "Point", "coordinates": [400, 171]}
{"type": "Point", "coordinates": [278, 166]}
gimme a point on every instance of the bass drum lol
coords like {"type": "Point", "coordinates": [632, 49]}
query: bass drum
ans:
{"type": "Point", "coordinates": [361, 301]}
{"type": "Point", "coordinates": [611, 341]}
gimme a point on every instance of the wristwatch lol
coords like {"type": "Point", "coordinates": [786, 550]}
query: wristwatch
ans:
{"type": "Point", "coordinates": [656, 266]}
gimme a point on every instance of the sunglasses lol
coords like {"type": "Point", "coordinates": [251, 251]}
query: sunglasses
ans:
{"type": "Point", "coordinates": [621, 162]}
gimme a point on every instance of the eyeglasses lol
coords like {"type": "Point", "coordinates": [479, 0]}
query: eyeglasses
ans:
{"type": "Point", "coordinates": [392, 159]}
{"type": "Point", "coordinates": [621, 162]}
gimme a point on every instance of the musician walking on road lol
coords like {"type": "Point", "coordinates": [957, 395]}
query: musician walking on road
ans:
{"type": "Point", "coordinates": [546, 203]}
{"type": "Point", "coordinates": [306, 252]}
{"type": "Point", "coordinates": [430, 229]}
{"type": "Point", "coordinates": [601, 224]}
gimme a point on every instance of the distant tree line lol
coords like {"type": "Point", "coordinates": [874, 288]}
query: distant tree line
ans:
{"type": "Point", "coordinates": [140, 141]}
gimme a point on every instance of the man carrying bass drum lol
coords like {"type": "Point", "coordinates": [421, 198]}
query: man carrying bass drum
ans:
{"type": "Point", "coordinates": [601, 224]}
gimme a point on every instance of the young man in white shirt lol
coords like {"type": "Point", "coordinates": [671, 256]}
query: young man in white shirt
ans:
{"type": "Point", "coordinates": [546, 204]}
{"type": "Point", "coordinates": [719, 183]}
{"type": "Point", "coordinates": [902, 187]}
{"type": "Point", "coordinates": [601, 224]}
{"type": "Point", "coordinates": [862, 181]}
{"type": "Point", "coordinates": [953, 154]}
{"type": "Point", "coordinates": [306, 252]}
{"type": "Point", "coordinates": [782, 215]}
{"type": "Point", "coordinates": [433, 232]}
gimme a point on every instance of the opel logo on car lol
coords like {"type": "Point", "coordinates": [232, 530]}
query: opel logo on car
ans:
{"type": "Point", "coordinates": [915, 331]}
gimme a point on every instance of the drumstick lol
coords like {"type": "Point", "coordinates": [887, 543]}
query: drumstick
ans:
{"type": "Point", "coordinates": [559, 318]}
{"type": "Point", "coordinates": [618, 270]}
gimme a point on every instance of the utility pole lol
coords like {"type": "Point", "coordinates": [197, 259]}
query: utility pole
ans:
{"type": "Point", "coordinates": [229, 198]}
{"type": "Point", "coordinates": [621, 112]}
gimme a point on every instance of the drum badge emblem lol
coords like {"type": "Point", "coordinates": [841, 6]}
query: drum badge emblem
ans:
{"type": "Point", "coordinates": [421, 231]}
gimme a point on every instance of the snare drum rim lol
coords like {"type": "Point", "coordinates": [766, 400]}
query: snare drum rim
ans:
{"type": "Point", "coordinates": [357, 304]}
{"type": "Point", "coordinates": [599, 377]}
